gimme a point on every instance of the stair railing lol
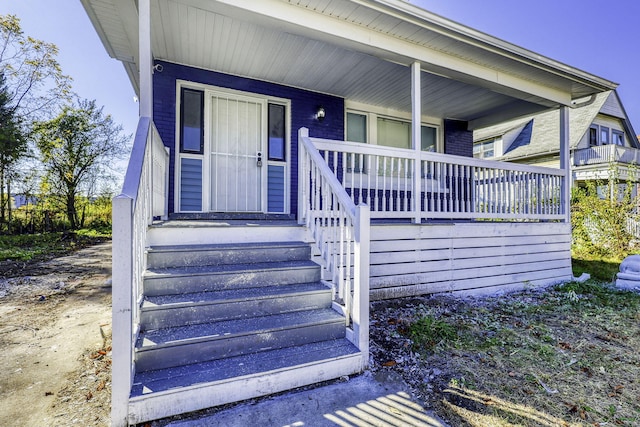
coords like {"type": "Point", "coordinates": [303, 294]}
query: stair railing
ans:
{"type": "Point", "coordinates": [341, 231]}
{"type": "Point", "coordinates": [144, 197]}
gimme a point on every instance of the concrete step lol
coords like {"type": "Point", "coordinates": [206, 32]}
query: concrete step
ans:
{"type": "Point", "coordinates": [204, 385]}
{"type": "Point", "coordinates": [165, 348]}
{"type": "Point", "coordinates": [187, 309]}
{"type": "Point", "coordinates": [221, 254]}
{"type": "Point", "coordinates": [178, 280]}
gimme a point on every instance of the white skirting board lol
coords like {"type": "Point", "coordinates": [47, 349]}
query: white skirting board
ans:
{"type": "Point", "coordinates": [409, 260]}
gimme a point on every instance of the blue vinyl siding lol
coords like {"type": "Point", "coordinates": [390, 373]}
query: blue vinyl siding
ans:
{"type": "Point", "coordinates": [275, 189]}
{"type": "Point", "coordinates": [191, 185]}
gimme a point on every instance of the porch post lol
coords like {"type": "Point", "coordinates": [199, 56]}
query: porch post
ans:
{"type": "Point", "coordinates": [145, 58]}
{"type": "Point", "coordinates": [565, 160]}
{"type": "Point", "coordinates": [416, 133]}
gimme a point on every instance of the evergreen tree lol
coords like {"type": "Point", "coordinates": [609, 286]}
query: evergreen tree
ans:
{"type": "Point", "coordinates": [13, 145]}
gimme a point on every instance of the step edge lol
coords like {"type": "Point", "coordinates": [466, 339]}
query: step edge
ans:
{"type": "Point", "coordinates": [202, 339]}
{"type": "Point", "coordinates": [357, 364]}
{"type": "Point", "coordinates": [185, 304]}
{"type": "Point", "coordinates": [165, 272]}
{"type": "Point", "coordinates": [219, 246]}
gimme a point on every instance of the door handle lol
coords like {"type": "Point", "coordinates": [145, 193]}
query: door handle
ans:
{"type": "Point", "coordinates": [259, 159]}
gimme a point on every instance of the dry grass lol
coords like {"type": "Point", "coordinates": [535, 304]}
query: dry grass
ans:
{"type": "Point", "coordinates": [561, 357]}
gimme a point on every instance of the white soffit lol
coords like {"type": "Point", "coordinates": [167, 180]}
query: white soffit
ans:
{"type": "Point", "coordinates": [356, 49]}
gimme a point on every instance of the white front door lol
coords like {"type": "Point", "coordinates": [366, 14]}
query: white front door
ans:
{"type": "Point", "coordinates": [237, 142]}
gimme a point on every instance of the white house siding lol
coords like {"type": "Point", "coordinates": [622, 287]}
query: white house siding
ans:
{"type": "Point", "coordinates": [476, 257]}
{"type": "Point", "coordinates": [613, 107]}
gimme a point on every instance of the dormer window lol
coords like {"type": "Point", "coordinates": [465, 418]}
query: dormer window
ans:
{"type": "Point", "coordinates": [617, 137]}
{"type": "Point", "coordinates": [593, 135]}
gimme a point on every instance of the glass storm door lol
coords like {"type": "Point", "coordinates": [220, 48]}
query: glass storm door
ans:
{"type": "Point", "coordinates": [237, 148]}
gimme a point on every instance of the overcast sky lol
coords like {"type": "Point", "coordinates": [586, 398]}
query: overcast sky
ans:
{"type": "Point", "coordinates": [597, 36]}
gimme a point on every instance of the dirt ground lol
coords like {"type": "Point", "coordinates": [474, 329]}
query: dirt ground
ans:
{"type": "Point", "coordinates": [55, 337]}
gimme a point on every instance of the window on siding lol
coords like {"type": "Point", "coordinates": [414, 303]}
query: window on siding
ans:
{"type": "Point", "coordinates": [277, 135]}
{"type": "Point", "coordinates": [617, 137]}
{"type": "Point", "coordinates": [484, 149]}
{"type": "Point", "coordinates": [593, 135]}
{"type": "Point", "coordinates": [604, 135]}
{"type": "Point", "coordinates": [191, 121]}
{"type": "Point", "coordinates": [356, 132]}
{"type": "Point", "coordinates": [356, 127]}
{"type": "Point", "coordinates": [394, 133]}
{"type": "Point", "coordinates": [389, 131]}
{"type": "Point", "coordinates": [429, 138]}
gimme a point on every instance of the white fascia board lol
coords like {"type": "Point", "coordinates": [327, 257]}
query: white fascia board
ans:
{"type": "Point", "coordinates": [486, 41]}
{"type": "Point", "coordinates": [98, 27]}
{"type": "Point", "coordinates": [388, 47]}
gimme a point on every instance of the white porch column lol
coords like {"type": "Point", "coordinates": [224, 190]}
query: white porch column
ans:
{"type": "Point", "coordinates": [565, 162]}
{"type": "Point", "coordinates": [416, 140]}
{"type": "Point", "coordinates": [145, 58]}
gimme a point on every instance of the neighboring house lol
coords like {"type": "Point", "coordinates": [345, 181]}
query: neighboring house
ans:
{"type": "Point", "coordinates": [603, 144]}
{"type": "Point", "coordinates": [20, 200]}
{"type": "Point", "coordinates": [250, 235]}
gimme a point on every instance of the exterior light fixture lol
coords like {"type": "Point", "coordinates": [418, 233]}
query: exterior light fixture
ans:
{"type": "Point", "coordinates": [320, 114]}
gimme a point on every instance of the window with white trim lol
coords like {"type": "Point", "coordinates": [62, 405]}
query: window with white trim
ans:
{"type": "Point", "coordinates": [604, 135]}
{"type": "Point", "coordinates": [484, 149]}
{"type": "Point", "coordinates": [617, 137]}
{"type": "Point", "coordinates": [388, 131]}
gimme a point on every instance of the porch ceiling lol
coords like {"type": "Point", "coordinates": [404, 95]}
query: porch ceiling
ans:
{"type": "Point", "coordinates": [357, 49]}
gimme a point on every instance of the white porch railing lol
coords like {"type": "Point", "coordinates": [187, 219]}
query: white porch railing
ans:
{"type": "Point", "coordinates": [606, 154]}
{"type": "Point", "coordinates": [144, 196]}
{"type": "Point", "coordinates": [450, 187]}
{"type": "Point", "coordinates": [341, 232]}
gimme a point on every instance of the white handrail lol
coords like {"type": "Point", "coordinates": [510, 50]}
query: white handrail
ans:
{"type": "Point", "coordinates": [144, 197]}
{"type": "Point", "coordinates": [449, 187]}
{"type": "Point", "coordinates": [341, 232]}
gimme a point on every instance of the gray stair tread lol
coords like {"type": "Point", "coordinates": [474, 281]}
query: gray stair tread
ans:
{"type": "Point", "coordinates": [219, 370]}
{"type": "Point", "coordinates": [229, 328]}
{"type": "Point", "coordinates": [230, 295]}
{"type": "Point", "coordinates": [227, 269]}
{"type": "Point", "coordinates": [225, 246]}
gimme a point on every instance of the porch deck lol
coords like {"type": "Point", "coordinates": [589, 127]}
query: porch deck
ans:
{"type": "Point", "coordinates": [381, 224]}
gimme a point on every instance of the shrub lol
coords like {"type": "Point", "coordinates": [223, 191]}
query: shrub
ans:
{"type": "Point", "coordinates": [601, 223]}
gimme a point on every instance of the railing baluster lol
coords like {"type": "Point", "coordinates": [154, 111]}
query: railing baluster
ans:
{"type": "Point", "coordinates": [447, 186]}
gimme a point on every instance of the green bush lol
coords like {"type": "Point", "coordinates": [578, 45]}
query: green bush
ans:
{"type": "Point", "coordinates": [600, 225]}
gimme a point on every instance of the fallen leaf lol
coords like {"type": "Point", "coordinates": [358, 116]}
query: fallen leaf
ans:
{"type": "Point", "coordinates": [101, 385]}
{"type": "Point", "coordinates": [89, 395]}
{"type": "Point", "coordinates": [564, 345]}
{"type": "Point", "coordinates": [390, 363]}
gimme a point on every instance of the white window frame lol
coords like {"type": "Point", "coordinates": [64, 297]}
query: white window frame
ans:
{"type": "Point", "coordinates": [482, 151]}
{"type": "Point", "coordinates": [616, 132]}
{"type": "Point", "coordinates": [373, 112]}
